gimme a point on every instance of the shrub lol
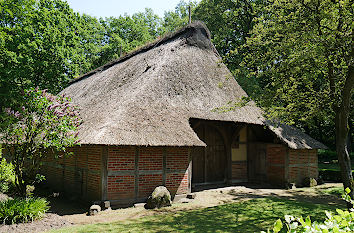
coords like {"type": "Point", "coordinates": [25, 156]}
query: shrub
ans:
{"type": "Point", "coordinates": [44, 123]}
{"type": "Point", "coordinates": [7, 175]}
{"type": "Point", "coordinates": [343, 221]}
{"type": "Point", "coordinates": [22, 210]}
{"type": "Point", "coordinates": [330, 175]}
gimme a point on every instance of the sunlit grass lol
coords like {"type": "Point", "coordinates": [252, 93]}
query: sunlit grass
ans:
{"type": "Point", "coordinates": [247, 216]}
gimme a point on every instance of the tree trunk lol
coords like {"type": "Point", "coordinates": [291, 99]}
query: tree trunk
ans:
{"type": "Point", "coordinates": [342, 130]}
{"type": "Point", "coordinates": [342, 151]}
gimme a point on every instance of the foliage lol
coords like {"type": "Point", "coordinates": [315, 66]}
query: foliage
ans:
{"type": "Point", "coordinates": [343, 221]}
{"type": "Point", "coordinates": [7, 175]}
{"type": "Point", "coordinates": [22, 210]}
{"type": "Point", "coordinates": [43, 43]}
{"type": "Point", "coordinates": [230, 23]}
{"type": "Point", "coordinates": [292, 44]}
{"type": "Point", "coordinates": [302, 52]}
{"type": "Point", "coordinates": [45, 123]}
{"type": "Point", "coordinates": [244, 216]}
{"type": "Point", "coordinates": [126, 33]}
{"type": "Point", "coordinates": [173, 20]}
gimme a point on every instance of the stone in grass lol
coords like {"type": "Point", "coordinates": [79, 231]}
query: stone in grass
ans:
{"type": "Point", "coordinates": [160, 197]}
{"type": "Point", "coordinates": [94, 209]}
{"type": "Point", "coordinates": [309, 182]}
{"type": "Point", "coordinates": [191, 195]}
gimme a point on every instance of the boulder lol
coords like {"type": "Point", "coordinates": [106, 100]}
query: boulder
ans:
{"type": "Point", "coordinates": [94, 209]}
{"type": "Point", "coordinates": [309, 182]}
{"type": "Point", "coordinates": [160, 197]}
{"type": "Point", "coordinates": [191, 195]}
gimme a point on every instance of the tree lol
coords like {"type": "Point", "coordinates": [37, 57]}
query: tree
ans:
{"type": "Point", "coordinates": [230, 23]}
{"type": "Point", "coordinates": [44, 43]}
{"type": "Point", "coordinates": [126, 33]}
{"type": "Point", "coordinates": [303, 51]}
{"type": "Point", "coordinates": [45, 123]}
{"type": "Point", "coordinates": [173, 20]}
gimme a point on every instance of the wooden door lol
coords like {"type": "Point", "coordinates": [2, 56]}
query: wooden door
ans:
{"type": "Point", "coordinates": [209, 163]}
{"type": "Point", "coordinates": [257, 162]}
{"type": "Point", "coordinates": [198, 160]}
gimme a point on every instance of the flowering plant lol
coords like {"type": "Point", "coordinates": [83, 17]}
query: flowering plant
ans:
{"type": "Point", "coordinates": [44, 123]}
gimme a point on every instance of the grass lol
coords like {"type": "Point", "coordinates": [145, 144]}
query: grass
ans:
{"type": "Point", "coordinates": [247, 216]}
{"type": "Point", "coordinates": [337, 191]}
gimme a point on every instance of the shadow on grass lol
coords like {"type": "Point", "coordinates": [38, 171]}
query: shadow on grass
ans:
{"type": "Point", "coordinates": [320, 196]}
{"type": "Point", "coordinates": [248, 216]}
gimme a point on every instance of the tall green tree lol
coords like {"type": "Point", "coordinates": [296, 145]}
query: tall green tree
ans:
{"type": "Point", "coordinates": [125, 33]}
{"type": "Point", "coordinates": [303, 51]}
{"type": "Point", "coordinates": [43, 43]}
{"type": "Point", "coordinates": [179, 17]}
{"type": "Point", "coordinates": [230, 23]}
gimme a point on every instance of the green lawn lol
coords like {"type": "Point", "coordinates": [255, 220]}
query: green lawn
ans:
{"type": "Point", "coordinates": [247, 216]}
{"type": "Point", "coordinates": [338, 191]}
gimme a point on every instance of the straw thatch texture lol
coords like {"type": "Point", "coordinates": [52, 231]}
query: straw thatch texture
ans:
{"type": "Point", "coordinates": [293, 137]}
{"type": "Point", "coordinates": [148, 96]}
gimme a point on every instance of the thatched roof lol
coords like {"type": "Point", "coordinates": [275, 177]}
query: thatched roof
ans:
{"type": "Point", "coordinates": [147, 97]}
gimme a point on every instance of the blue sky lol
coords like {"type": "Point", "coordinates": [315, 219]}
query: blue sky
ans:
{"type": "Point", "coordinates": [106, 8]}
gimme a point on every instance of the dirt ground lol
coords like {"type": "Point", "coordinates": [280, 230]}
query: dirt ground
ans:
{"type": "Point", "coordinates": [64, 213]}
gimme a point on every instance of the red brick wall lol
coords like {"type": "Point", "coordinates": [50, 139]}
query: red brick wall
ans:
{"type": "Point", "coordinates": [276, 155]}
{"type": "Point", "coordinates": [120, 187]}
{"type": "Point", "coordinates": [81, 173]}
{"type": "Point", "coordinates": [77, 175]}
{"type": "Point", "coordinates": [239, 170]}
{"type": "Point", "coordinates": [150, 158]}
{"type": "Point", "coordinates": [302, 164]}
{"type": "Point", "coordinates": [177, 162]}
{"type": "Point", "coordinates": [151, 172]}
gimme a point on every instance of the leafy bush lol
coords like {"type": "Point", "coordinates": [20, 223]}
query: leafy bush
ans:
{"type": "Point", "coordinates": [44, 123]}
{"type": "Point", "coordinates": [22, 210]}
{"type": "Point", "coordinates": [329, 155]}
{"type": "Point", "coordinates": [343, 221]}
{"type": "Point", "coordinates": [330, 175]}
{"type": "Point", "coordinates": [7, 175]}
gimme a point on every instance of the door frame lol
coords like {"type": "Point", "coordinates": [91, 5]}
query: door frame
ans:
{"type": "Point", "coordinates": [203, 123]}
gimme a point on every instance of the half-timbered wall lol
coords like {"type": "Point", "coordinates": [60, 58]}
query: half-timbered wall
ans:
{"type": "Point", "coordinates": [134, 172]}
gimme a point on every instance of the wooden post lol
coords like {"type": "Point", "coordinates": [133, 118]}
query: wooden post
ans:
{"type": "Point", "coordinates": [136, 173]}
{"type": "Point", "coordinates": [104, 172]}
{"type": "Point", "coordinates": [286, 167]}
{"type": "Point", "coordinates": [190, 14]}
{"type": "Point", "coordinates": [164, 166]}
{"type": "Point", "coordinates": [190, 170]}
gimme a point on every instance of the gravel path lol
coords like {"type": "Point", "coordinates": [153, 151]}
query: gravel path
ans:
{"type": "Point", "coordinates": [51, 221]}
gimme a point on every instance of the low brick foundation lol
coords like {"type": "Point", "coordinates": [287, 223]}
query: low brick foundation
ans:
{"type": "Point", "coordinates": [121, 174]}
{"type": "Point", "coordinates": [276, 155]}
{"type": "Point", "coordinates": [302, 164]}
{"type": "Point", "coordinates": [286, 165]}
{"type": "Point", "coordinates": [134, 172]}
{"type": "Point", "coordinates": [78, 175]}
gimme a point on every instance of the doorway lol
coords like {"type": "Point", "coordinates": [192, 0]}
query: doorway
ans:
{"type": "Point", "coordinates": [209, 163]}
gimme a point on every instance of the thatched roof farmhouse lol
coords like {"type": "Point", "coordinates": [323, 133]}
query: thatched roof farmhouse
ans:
{"type": "Point", "coordinates": [150, 118]}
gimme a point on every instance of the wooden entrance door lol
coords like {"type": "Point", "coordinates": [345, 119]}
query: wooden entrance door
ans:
{"type": "Point", "coordinates": [257, 162]}
{"type": "Point", "coordinates": [209, 163]}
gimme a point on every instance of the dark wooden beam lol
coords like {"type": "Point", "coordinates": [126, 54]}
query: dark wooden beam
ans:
{"type": "Point", "coordinates": [136, 173]}
{"type": "Point", "coordinates": [104, 172]}
{"type": "Point", "coordinates": [164, 166]}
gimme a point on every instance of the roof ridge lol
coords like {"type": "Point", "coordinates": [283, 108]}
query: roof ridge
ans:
{"type": "Point", "coordinates": [146, 47]}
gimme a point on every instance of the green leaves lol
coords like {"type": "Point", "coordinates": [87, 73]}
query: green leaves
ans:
{"type": "Point", "coordinates": [44, 123]}
{"type": "Point", "coordinates": [278, 225]}
{"type": "Point", "coordinates": [343, 222]}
